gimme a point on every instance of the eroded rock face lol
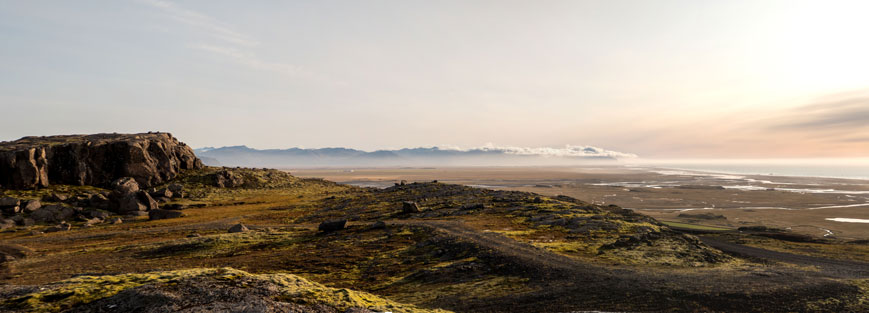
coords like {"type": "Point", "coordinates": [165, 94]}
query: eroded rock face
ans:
{"type": "Point", "coordinates": [96, 160]}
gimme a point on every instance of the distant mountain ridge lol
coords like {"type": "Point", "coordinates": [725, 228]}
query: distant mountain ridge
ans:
{"type": "Point", "coordinates": [345, 157]}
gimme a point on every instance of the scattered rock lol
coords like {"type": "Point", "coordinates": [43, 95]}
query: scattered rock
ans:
{"type": "Point", "coordinates": [117, 220]}
{"type": "Point", "coordinates": [477, 206]}
{"type": "Point", "coordinates": [377, 225]}
{"type": "Point", "coordinates": [162, 193]}
{"type": "Point", "coordinates": [176, 206]}
{"type": "Point", "coordinates": [409, 207]}
{"type": "Point", "coordinates": [163, 214]}
{"type": "Point", "coordinates": [238, 228]}
{"type": "Point", "coordinates": [139, 201]}
{"type": "Point", "coordinates": [97, 214]}
{"type": "Point", "coordinates": [98, 201]}
{"type": "Point", "coordinates": [9, 202]}
{"type": "Point", "coordinates": [56, 197]}
{"type": "Point", "coordinates": [227, 179]}
{"type": "Point", "coordinates": [125, 185]}
{"type": "Point", "coordinates": [93, 221]}
{"type": "Point", "coordinates": [175, 188]}
{"type": "Point", "coordinates": [60, 227]}
{"type": "Point", "coordinates": [330, 226]}
{"type": "Point", "coordinates": [32, 205]}
{"type": "Point", "coordinates": [194, 235]}
{"type": "Point", "coordinates": [53, 213]}
{"type": "Point", "coordinates": [6, 223]}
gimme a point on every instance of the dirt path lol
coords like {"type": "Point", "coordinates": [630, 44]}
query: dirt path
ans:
{"type": "Point", "coordinates": [527, 253]}
{"type": "Point", "coordinates": [833, 268]}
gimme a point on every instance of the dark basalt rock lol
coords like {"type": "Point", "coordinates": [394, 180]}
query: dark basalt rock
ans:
{"type": "Point", "coordinates": [330, 226]}
{"type": "Point", "coordinates": [164, 214]}
{"type": "Point", "coordinates": [409, 207]}
{"type": "Point", "coordinates": [96, 160]}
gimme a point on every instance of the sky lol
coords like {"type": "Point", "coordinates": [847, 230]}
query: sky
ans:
{"type": "Point", "coordinates": [659, 79]}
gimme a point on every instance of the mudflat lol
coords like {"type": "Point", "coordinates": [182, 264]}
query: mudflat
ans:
{"type": "Point", "coordinates": [821, 207]}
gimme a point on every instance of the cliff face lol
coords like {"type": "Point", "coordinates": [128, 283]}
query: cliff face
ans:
{"type": "Point", "coordinates": [97, 160]}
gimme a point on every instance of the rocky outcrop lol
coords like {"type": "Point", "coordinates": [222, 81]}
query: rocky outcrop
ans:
{"type": "Point", "coordinates": [96, 160]}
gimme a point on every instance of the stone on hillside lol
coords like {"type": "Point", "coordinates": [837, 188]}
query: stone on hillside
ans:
{"type": "Point", "coordinates": [162, 193]}
{"type": "Point", "coordinates": [330, 226]}
{"type": "Point", "coordinates": [377, 225]}
{"type": "Point", "coordinates": [53, 213]}
{"type": "Point", "coordinates": [9, 202]}
{"type": "Point", "coordinates": [99, 201]}
{"type": "Point", "coordinates": [64, 226]}
{"type": "Point", "coordinates": [476, 206]}
{"type": "Point", "coordinates": [6, 223]}
{"type": "Point", "coordinates": [409, 207]}
{"type": "Point", "coordinates": [125, 185]}
{"type": "Point", "coordinates": [175, 187]}
{"type": "Point", "coordinates": [94, 160]}
{"type": "Point", "coordinates": [32, 205]}
{"type": "Point", "coordinates": [163, 214]}
{"type": "Point", "coordinates": [56, 197]}
{"type": "Point", "coordinates": [117, 220]}
{"type": "Point", "coordinates": [238, 228]}
{"type": "Point", "coordinates": [137, 202]}
{"type": "Point", "coordinates": [227, 179]}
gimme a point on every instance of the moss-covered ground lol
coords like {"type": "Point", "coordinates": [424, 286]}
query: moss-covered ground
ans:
{"type": "Point", "coordinates": [590, 257]}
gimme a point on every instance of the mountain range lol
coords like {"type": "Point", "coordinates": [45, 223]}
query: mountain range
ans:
{"type": "Point", "coordinates": [435, 156]}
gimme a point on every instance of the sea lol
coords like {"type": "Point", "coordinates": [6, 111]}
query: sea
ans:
{"type": "Point", "coordinates": [828, 168]}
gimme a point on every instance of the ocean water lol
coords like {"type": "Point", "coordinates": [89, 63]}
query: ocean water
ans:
{"type": "Point", "coordinates": [831, 168]}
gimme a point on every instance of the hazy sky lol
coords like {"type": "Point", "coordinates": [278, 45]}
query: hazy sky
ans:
{"type": "Point", "coordinates": [656, 78]}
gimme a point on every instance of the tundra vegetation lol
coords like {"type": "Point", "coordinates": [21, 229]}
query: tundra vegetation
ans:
{"type": "Point", "coordinates": [283, 243]}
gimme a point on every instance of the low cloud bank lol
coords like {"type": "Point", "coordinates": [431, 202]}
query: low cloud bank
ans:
{"type": "Point", "coordinates": [489, 154]}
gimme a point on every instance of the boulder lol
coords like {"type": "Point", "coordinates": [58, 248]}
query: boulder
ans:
{"type": "Point", "coordinates": [117, 220]}
{"type": "Point", "coordinates": [56, 197]}
{"type": "Point", "coordinates": [162, 193]}
{"type": "Point", "coordinates": [136, 202]}
{"type": "Point", "coordinates": [92, 222]}
{"type": "Point", "coordinates": [94, 160]}
{"type": "Point", "coordinates": [238, 228]}
{"type": "Point", "coordinates": [99, 201]}
{"type": "Point", "coordinates": [125, 185]}
{"type": "Point", "coordinates": [163, 214]}
{"type": "Point", "coordinates": [31, 205]}
{"type": "Point", "coordinates": [53, 213]}
{"type": "Point", "coordinates": [410, 207]}
{"type": "Point", "coordinates": [11, 210]}
{"type": "Point", "coordinates": [9, 202]}
{"type": "Point", "coordinates": [330, 226]}
{"type": "Point", "coordinates": [6, 223]}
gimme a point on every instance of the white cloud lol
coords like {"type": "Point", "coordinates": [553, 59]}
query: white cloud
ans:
{"type": "Point", "coordinates": [202, 21]}
{"type": "Point", "coordinates": [566, 151]}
